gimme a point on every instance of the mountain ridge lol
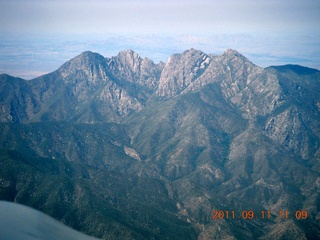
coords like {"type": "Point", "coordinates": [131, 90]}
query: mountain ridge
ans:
{"type": "Point", "coordinates": [95, 70]}
{"type": "Point", "coordinates": [159, 146]}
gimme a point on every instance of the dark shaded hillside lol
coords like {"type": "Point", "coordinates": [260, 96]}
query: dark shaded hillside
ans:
{"type": "Point", "coordinates": [297, 69]}
{"type": "Point", "coordinates": [102, 203]}
{"type": "Point", "coordinates": [123, 148]}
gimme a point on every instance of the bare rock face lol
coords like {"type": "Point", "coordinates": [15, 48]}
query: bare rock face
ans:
{"type": "Point", "coordinates": [251, 88]}
{"type": "Point", "coordinates": [118, 99]}
{"type": "Point", "coordinates": [254, 90]}
{"type": "Point", "coordinates": [181, 70]}
{"type": "Point", "coordinates": [129, 66]}
{"type": "Point", "coordinates": [80, 82]}
{"type": "Point", "coordinates": [86, 89]}
{"type": "Point", "coordinates": [89, 65]}
{"type": "Point", "coordinates": [84, 74]}
{"type": "Point", "coordinates": [149, 150]}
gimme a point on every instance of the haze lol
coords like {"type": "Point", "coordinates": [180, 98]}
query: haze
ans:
{"type": "Point", "coordinates": [38, 36]}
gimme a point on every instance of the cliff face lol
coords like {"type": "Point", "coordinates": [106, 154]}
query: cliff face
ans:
{"type": "Point", "coordinates": [157, 147]}
{"type": "Point", "coordinates": [181, 70]}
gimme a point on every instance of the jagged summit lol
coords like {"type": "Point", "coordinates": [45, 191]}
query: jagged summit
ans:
{"type": "Point", "coordinates": [234, 55]}
{"type": "Point", "coordinates": [88, 66]}
{"type": "Point", "coordinates": [181, 70]}
{"type": "Point", "coordinates": [124, 83]}
{"type": "Point", "coordinates": [129, 54]}
{"type": "Point", "coordinates": [88, 54]}
{"type": "Point", "coordinates": [231, 51]}
{"type": "Point", "coordinates": [191, 51]}
{"type": "Point", "coordinates": [130, 67]}
{"type": "Point", "coordinates": [127, 59]}
{"type": "Point", "coordinates": [86, 58]}
{"type": "Point", "coordinates": [123, 148]}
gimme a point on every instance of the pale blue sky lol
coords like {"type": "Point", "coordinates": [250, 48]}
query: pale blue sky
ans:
{"type": "Point", "coordinates": [159, 16]}
{"type": "Point", "coordinates": [267, 32]}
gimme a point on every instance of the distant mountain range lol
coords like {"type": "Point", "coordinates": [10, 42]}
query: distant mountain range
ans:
{"type": "Point", "coordinates": [123, 148]}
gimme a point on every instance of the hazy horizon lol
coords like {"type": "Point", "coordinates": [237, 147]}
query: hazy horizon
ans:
{"type": "Point", "coordinates": [39, 36]}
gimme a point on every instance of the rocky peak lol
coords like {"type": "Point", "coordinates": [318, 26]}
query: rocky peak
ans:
{"type": "Point", "coordinates": [88, 66]}
{"type": "Point", "coordinates": [231, 56]}
{"type": "Point", "coordinates": [130, 67]}
{"type": "Point", "coordinates": [181, 70]}
{"type": "Point", "coordinates": [231, 52]}
{"type": "Point", "coordinates": [254, 90]}
{"type": "Point", "coordinates": [83, 60]}
{"type": "Point", "coordinates": [126, 63]}
{"type": "Point", "coordinates": [129, 57]}
{"type": "Point", "coordinates": [242, 134]}
{"type": "Point", "coordinates": [193, 69]}
{"type": "Point", "coordinates": [233, 60]}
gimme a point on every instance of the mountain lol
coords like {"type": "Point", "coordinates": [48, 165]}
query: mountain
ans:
{"type": "Point", "coordinates": [123, 148]}
{"type": "Point", "coordinates": [88, 88]}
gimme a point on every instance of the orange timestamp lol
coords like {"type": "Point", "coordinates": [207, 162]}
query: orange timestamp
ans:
{"type": "Point", "coordinates": [264, 214]}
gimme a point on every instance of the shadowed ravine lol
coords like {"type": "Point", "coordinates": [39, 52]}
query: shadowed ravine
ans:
{"type": "Point", "coordinates": [123, 148]}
